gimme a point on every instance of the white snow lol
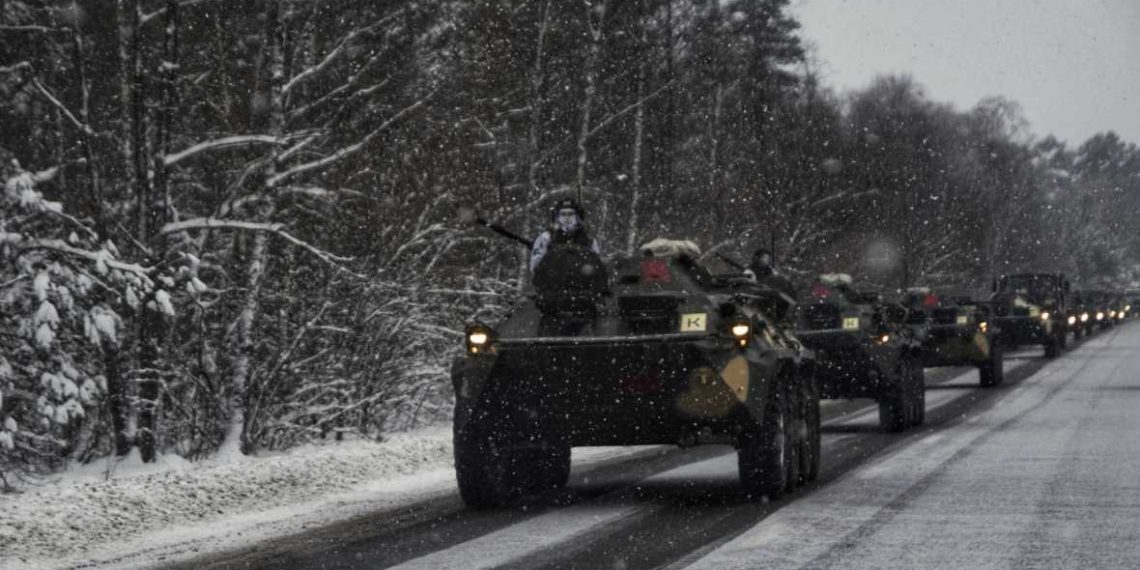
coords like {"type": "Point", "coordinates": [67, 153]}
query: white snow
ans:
{"type": "Point", "coordinates": [45, 335]}
{"type": "Point", "coordinates": [163, 300]}
{"type": "Point", "coordinates": [103, 512]}
{"type": "Point", "coordinates": [127, 514]}
{"type": "Point", "coordinates": [1043, 479]}
{"type": "Point", "coordinates": [503, 546]}
{"type": "Point", "coordinates": [41, 284]}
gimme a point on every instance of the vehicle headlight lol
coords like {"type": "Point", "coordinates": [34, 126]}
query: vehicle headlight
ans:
{"type": "Point", "coordinates": [1084, 317]}
{"type": "Point", "coordinates": [741, 332]}
{"type": "Point", "coordinates": [884, 339]}
{"type": "Point", "coordinates": [1112, 314]}
{"type": "Point", "coordinates": [1072, 320]}
{"type": "Point", "coordinates": [984, 327]}
{"type": "Point", "coordinates": [1045, 316]}
{"type": "Point", "coordinates": [1099, 316]}
{"type": "Point", "coordinates": [478, 339]}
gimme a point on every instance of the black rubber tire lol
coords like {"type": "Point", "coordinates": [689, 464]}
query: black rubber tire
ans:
{"type": "Point", "coordinates": [919, 388]}
{"type": "Point", "coordinates": [811, 452]}
{"type": "Point", "coordinates": [992, 371]}
{"type": "Point", "coordinates": [492, 471]}
{"type": "Point", "coordinates": [1052, 348]}
{"type": "Point", "coordinates": [896, 403]}
{"type": "Point", "coordinates": [764, 450]}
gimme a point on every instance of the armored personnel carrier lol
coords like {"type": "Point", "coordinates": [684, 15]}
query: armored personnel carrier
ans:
{"type": "Point", "coordinates": [955, 331]}
{"type": "Point", "coordinates": [864, 348]}
{"type": "Point", "coordinates": [653, 349]}
{"type": "Point", "coordinates": [1032, 308]}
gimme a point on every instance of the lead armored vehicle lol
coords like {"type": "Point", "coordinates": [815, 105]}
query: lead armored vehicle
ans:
{"type": "Point", "coordinates": [1031, 308]}
{"type": "Point", "coordinates": [864, 348]}
{"type": "Point", "coordinates": [955, 331]}
{"type": "Point", "coordinates": [654, 349]}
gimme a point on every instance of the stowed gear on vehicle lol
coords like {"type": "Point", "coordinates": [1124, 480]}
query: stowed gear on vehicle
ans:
{"type": "Point", "coordinates": [663, 353]}
{"type": "Point", "coordinates": [955, 331]}
{"type": "Point", "coordinates": [864, 349]}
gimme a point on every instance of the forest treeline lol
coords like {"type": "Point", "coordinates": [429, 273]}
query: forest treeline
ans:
{"type": "Point", "coordinates": [232, 226]}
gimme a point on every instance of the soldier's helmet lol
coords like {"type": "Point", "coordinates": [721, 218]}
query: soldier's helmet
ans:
{"type": "Point", "coordinates": [567, 215]}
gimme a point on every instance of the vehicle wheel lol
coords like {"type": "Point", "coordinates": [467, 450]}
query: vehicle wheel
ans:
{"type": "Point", "coordinates": [796, 438]}
{"type": "Point", "coordinates": [765, 450]}
{"type": "Point", "coordinates": [811, 452]}
{"type": "Point", "coordinates": [992, 371]}
{"type": "Point", "coordinates": [1052, 348]}
{"type": "Point", "coordinates": [492, 471]}
{"type": "Point", "coordinates": [919, 385]}
{"type": "Point", "coordinates": [896, 403]}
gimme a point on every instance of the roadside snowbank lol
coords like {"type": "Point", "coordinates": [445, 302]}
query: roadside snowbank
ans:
{"type": "Point", "coordinates": [128, 514]}
{"type": "Point", "coordinates": [75, 518]}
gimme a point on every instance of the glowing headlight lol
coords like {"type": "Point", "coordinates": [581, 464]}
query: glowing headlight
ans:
{"type": "Point", "coordinates": [1072, 320]}
{"type": "Point", "coordinates": [884, 339]}
{"type": "Point", "coordinates": [984, 327]}
{"type": "Point", "coordinates": [1084, 317]}
{"type": "Point", "coordinates": [1128, 308]}
{"type": "Point", "coordinates": [1100, 316]}
{"type": "Point", "coordinates": [741, 333]}
{"type": "Point", "coordinates": [478, 339]}
{"type": "Point", "coordinates": [1045, 316]}
{"type": "Point", "coordinates": [1112, 314]}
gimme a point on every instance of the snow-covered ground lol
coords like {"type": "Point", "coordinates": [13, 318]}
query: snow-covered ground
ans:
{"type": "Point", "coordinates": [1047, 478]}
{"type": "Point", "coordinates": [176, 507]}
{"type": "Point", "coordinates": [128, 514]}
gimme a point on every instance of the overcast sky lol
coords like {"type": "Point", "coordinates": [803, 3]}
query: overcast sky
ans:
{"type": "Point", "coordinates": [1073, 65]}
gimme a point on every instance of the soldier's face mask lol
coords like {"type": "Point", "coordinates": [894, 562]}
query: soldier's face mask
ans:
{"type": "Point", "coordinates": [566, 220]}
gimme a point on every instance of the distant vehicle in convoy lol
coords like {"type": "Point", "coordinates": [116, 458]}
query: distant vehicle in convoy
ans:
{"type": "Point", "coordinates": [1103, 307]}
{"type": "Point", "coordinates": [664, 352]}
{"type": "Point", "coordinates": [955, 331]}
{"type": "Point", "coordinates": [1030, 308]}
{"type": "Point", "coordinates": [1081, 314]}
{"type": "Point", "coordinates": [864, 349]}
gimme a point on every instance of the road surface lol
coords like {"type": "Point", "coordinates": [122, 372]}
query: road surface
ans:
{"type": "Point", "coordinates": [1042, 472]}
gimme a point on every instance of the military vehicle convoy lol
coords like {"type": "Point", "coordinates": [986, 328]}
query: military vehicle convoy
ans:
{"type": "Point", "coordinates": [1031, 308]}
{"type": "Point", "coordinates": [955, 331]}
{"type": "Point", "coordinates": [864, 349]}
{"type": "Point", "coordinates": [654, 349]}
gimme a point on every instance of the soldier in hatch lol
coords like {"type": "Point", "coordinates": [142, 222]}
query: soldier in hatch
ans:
{"type": "Point", "coordinates": [567, 227]}
{"type": "Point", "coordinates": [765, 274]}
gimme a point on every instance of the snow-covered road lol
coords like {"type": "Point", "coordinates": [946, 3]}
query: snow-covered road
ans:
{"type": "Point", "coordinates": [665, 511]}
{"type": "Point", "coordinates": [1048, 477]}
{"type": "Point", "coordinates": [1041, 472]}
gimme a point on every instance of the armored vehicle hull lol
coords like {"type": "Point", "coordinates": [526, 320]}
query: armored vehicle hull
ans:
{"type": "Point", "coordinates": [864, 349]}
{"type": "Point", "coordinates": [1031, 308]}
{"type": "Point", "coordinates": [669, 354]}
{"type": "Point", "coordinates": [956, 332]}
